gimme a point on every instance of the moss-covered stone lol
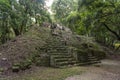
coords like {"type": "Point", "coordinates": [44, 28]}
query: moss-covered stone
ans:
{"type": "Point", "coordinates": [16, 67]}
{"type": "Point", "coordinates": [100, 54]}
{"type": "Point", "coordinates": [43, 60]}
{"type": "Point", "coordinates": [25, 64]}
{"type": "Point", "coordinates": [1, 70]}
{"type": "Point", "coordinates": [82, 56]}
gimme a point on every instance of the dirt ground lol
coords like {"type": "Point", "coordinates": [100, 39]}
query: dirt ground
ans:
{"type": "Point", "coordinates": [107, 70]}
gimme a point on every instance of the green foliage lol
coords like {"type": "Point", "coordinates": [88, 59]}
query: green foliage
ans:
{"type": "Point", "coordinates": [62, 8]}
{"type": "Point", "coordinates": [117, 45]}
{"type": "Point", "coordinates": [73, 20]}
{"type": "Point", "coordinates": [15, 16]}
{"type": "Point", "coordinates": [97, 18]}
{"type": "Point", "coordinates": [104, 18]}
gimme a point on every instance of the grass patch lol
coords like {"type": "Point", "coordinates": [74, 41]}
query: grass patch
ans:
{"type": "Point", "coordinates": [51, 74]}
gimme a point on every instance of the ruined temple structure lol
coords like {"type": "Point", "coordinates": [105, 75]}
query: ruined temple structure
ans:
{"type": "Point", "coordinates": [50, 45]}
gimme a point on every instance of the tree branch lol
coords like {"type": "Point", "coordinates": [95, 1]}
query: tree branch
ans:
{"type": "Point", "coordinates": [113, 32]}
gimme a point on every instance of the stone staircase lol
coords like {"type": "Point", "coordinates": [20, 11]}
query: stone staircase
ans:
{"type": "Point", "coordinates": [60, 55]}
{"type": "Point", "coordinates": [93, 60]}
{"type": "Point", "coordinates": [63, 58]}
{"type": "Point", "coordinates": [59, 52]}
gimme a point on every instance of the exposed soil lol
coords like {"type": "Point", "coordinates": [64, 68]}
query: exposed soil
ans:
{"type": "Point", "coordinates": [107, 70]}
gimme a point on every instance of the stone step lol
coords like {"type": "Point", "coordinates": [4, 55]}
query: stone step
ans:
{"type": "Point", "coordinates": [57, 48]}
{"type": "Point", "coordinates": [81, 64]}
{"type": "Point", "coordinates": [56, 51]}
{"type": "Point", "coordinates": [93, 62]}
{"type": "Point", "coordinates": [64, 59]}
{"type": "Point", "coordinates": [61, 56]}
{"type": "Point", "coordinates": [54, 54]}
{"type": "Point", "coordinates": [93, 59]}
{"type": "Point", "coordinates": [68, 66]}
{"type": "Point", "coordinates": [57, 40]}
{"type": "Point", "coordinates": [56, 45]}
{"type": "Point", "coordinates": [66, 63]}
{"type": "Point", "coordinates": [87, 63]}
